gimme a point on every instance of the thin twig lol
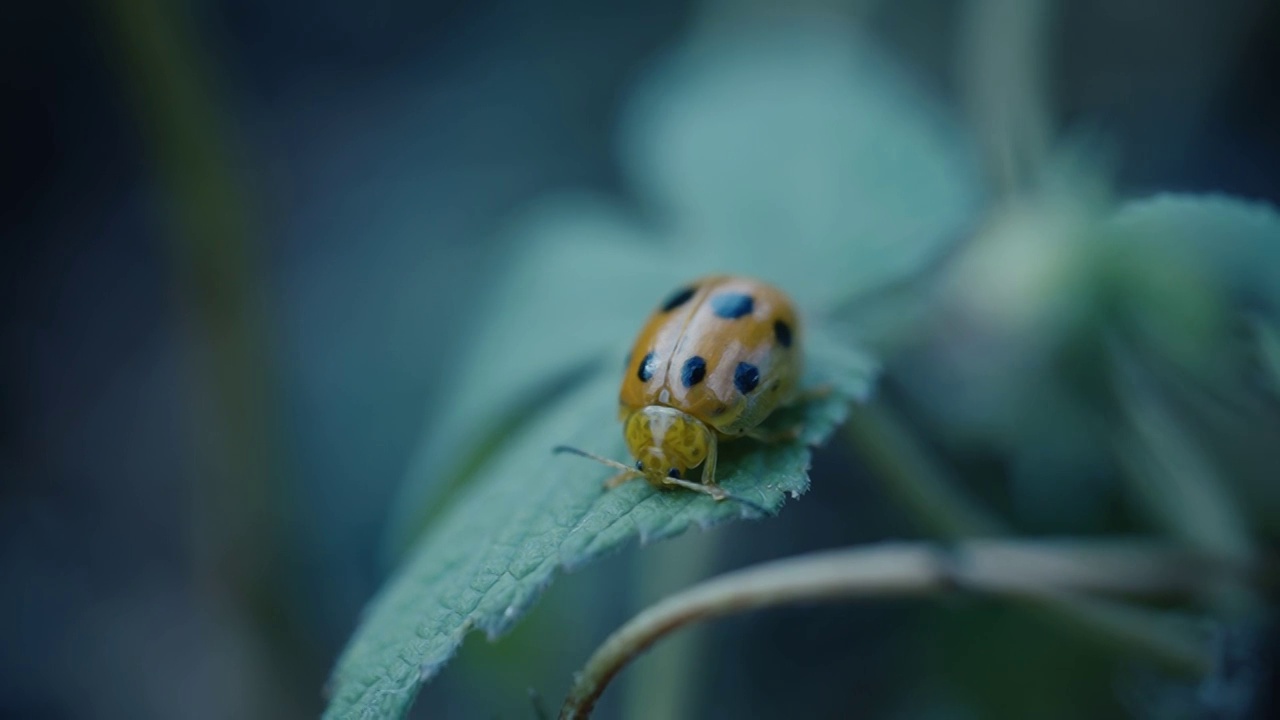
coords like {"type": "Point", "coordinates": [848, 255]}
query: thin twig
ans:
{"type": "Point", "coordinates": [1041, 572]}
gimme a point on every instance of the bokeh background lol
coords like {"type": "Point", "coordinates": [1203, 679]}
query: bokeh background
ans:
{"type": "Point", "coordinates": [241, 244]}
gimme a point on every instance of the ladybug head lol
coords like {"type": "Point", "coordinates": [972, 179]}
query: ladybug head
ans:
{"type": "Point", "coordinates": [665, 442]}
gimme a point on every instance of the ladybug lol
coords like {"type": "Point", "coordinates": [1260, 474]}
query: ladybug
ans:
{"type": "Point", "coordinates": [714, 360]}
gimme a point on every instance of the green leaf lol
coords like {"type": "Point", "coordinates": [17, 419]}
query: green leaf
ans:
{"type": "Point", "coordinates": [531, 513]}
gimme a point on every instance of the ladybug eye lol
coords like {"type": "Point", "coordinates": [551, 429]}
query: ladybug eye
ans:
{"type": "Point", "coordinates": [674, 472]}
{"type": "Point", "coordinates": [639, 465]}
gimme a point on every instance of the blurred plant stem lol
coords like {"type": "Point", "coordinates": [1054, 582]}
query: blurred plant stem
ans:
{"type": "Point", "coordinates": [240, 501]}
{"type": "Point", "coordinates": [914, 477]}
{"type": "Point", "coordinates": [665, 681]}
{"type": "Point", "coordinates": [1045, 573]}
{"type": "Point", "coordinates": [1003, 58]}
{"type": "Point", "coordinates": [1174, 478]}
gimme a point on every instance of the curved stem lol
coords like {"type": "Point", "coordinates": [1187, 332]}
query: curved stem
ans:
{"type": "Point", "coordinates": [1048, 573]}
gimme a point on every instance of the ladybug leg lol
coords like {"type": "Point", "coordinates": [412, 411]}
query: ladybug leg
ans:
{"type": "Point", "coordinates": [708, 485]}
{"type": "Point", "coordinates": [795, 431]}
{"type": "Point", "coordinates": [709, 465]}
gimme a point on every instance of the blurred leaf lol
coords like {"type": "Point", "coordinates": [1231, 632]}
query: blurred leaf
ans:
{"type": "Point", "coordinates": [1024, 330]}
{"type": "Point", "coordinates": [1006, 304]}
{"type": "Point", "coordinates": [793, 147]}
{"type": "Point", "coordinates": [1234, 240]}
{"type": "Point", "coordinates": [530, 513]}
{"type": "Point", "coordinates": [794, 154]}
{"type": "Point", "coordinates": [1200, 269]}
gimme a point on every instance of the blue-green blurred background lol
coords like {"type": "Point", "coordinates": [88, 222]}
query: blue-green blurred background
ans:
{"type": "Point", "coordinates": [200, 440]}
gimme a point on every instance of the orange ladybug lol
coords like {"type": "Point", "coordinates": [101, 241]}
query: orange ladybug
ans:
{"type": "Point", "coordinates": [715, 359]}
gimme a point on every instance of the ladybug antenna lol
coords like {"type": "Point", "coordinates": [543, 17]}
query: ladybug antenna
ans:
{"type": "Point", "coordinates": [591, 456]}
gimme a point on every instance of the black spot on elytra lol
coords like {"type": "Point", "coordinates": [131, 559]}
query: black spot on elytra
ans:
{"type": "Point", "coordinates": [732, 306]}
{"type": "Point", "coordinates": [645, 371]}
{"type": "Point", "coordinates": [680, 297]}
{"type": "Point", "coordinates": [782, 331]}
{"type": "Point", "coordinates": [640, 466]}
{"type": "Point", "coordinates": [745, 377]}
{"type": "Point", "coordinates": [673, 473]}
{"type": "Point", "coordinates": [695, 368]}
